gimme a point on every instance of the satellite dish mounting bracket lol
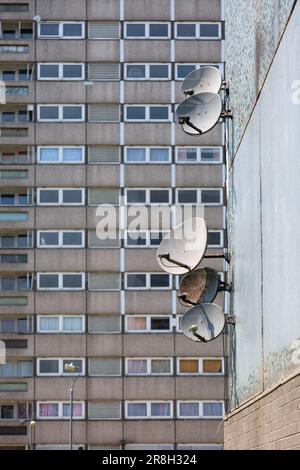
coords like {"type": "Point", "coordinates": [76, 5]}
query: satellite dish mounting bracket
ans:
{"type": "Point", "coordinates": [226, 256]}
{"type": "Point", "coordinates": [194, 330]}
{"type": "Point", "coordinates": [167, 257]}
{"type": "Point", "coordinates": [230, 319]}
{"type": "Point", "coordinates": [186, 120]}
{"type": "Point", "coordinates": [224, 286]}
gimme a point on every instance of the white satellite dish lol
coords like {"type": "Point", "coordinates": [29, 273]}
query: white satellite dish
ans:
{"type": "Point", "coordinates": [199, 113]}
{"type": "Point", "coordinates": [205, 79]}
{"type": "Point", "coordinates": [183, 249]}
{"type": "Point", "coordinates": [203, 323]}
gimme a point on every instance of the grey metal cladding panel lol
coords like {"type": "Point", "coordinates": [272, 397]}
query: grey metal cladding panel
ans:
{"type": "Point", "coordinates": [60, 133]}
{"type": "Point", "coordinates": [156, 176]}
{"type": "Point", "coordinates": [104, 113]}
{"type": "Point", "coordinates": [199, 175]}
{"type": "Point", "coordinates": [158, 10]}
{"type": "Point", "coordinates": [104, 410]}
{"type": "Point", "coordinates": [60, 92]}
{"type": "Point", "coordinates": [60, 175]}
{"type": "Point", "coordinates": [105, 366]}
{"type": "Point", "coordinates": [58, 10]}
{"type": "Point", "coordinates": [214, 137]}
{"type": "Point", "coordinates": [104, 323]}
{"type": "Point", "coordinates": [103, 134]}
{"type": "Point", "coordinates": [104, 154]}
{"type": "Point", "coordinates": [104, 71]}
{"type": "Point", "coordinates": [193, 10]}
{"type": "Point", "coordinates": [104, 281]}
{"type": "Point", "coordinates": [60, 51]}
{"type": "Point", "coordinates": [103, 50]}
{"type": "Point", "coordinates": [110, 10]}
{"type": "Point", "coordinates": [155, 51]}
{"type": "Point", "coordinates": [104, 30]}
{"type": "Point", "coordinates": [147, 134]}
{"type": "Point", "coordinates": [147, 92]}
{"type": "Point", "coordinates": [103, 196]}
{"type": "Point", "coordinates": [198, 51]}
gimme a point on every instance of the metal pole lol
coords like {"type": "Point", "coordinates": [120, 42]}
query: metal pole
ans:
{"type": "Point", "coordinates": [71, 416]}
{"type": "Point", "coordinates": [30, 436]}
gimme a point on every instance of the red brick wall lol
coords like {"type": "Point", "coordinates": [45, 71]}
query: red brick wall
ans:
{"type": "Point", "coordinates": [270, 421]}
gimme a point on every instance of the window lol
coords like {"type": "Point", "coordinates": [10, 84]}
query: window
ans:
{"type": "Point", "coordinates": [60, 410]}
{"type": "Point", "coordinates": [149, 366]}
{"type": "Point", "coordinates": [147, 155]}
{"type": "Point", "coordinates": [150, 239]}
{"type": "Point", "coordinates": [60, 281]}
{"type": "Point", "coordinates": [63, 155]}
{"type": "Point", "coordinates": [12, 49]}
{"type": "Point", "coordinates": [147, 324]}
{"type": "Point", "coordinates": [15, 90]}
{"type": "Point", "coordinates": [215, 239]}
{"type": "Point", "coordinates": [104, 410]}
{"type": "Point", "coordinates": [198, 30]}
{"type": "Point", "coordinates": [61, 71]}
{"type": "Point", "coordinates": [182, 70]}
{"type": "Point", "coordinates": [13, 258]}
{"type": "Point", "coordinates": [104, 324]}
{"type": "Point", "coordinates": [147, 30]}
{"type": "Point", "coordinates": [199, 366]}
{"type": "Point", "coordinates": [56, 366]}
{"type": "Point", "coordinates": [209, 197]}
{"type": "Point", "coordinates": [105, 367]}
{"type": "Point", "coordinates": [60, 197]}
{"type": "Point", "coordinates": [13, 411]}
{"type": "Point", "coordinates": [16, 369]}
{"type": "Point", "coordinates": [147, 72]}
{"type": "Point", "coordinates": [17, 199]}
{"type": "Point", "coordinates": [148, 409]}
{"type": "Point", "coordinates": [14, 7]}
{"type": "Point", "coordinates": [196, 409]}
{"type": "Point", "coordinates": [60, 112]}
{"type": "Point", "coordinates": [207, 155]}
{"type": "Point", "coordinates": [21, 240]}
{"type": "Point", "coordinates": [22, 325]}
{"type": "Point", "coordinates": [147, 281]}
{"type": "Point", "coordinates": [60, 238]}
{"type": "Point", "coordinates": [13, 216]}
{"type": "Point", "coordinates": [22, 282]}
{"type": "Point", "coordinates": [154, 113]}
{"type": "Point", "coordinates": [13, 174]}
{"type": "Point", "coordinates": [104, 30]}
{"type": "Point", "coordinates": [60, 324]}
{"type": "Point", "coordinates": [148, 196]}
{"type": "Point", "coordinates": [104, 281]}
{"type": "Point", "coordinates": [61, 30]}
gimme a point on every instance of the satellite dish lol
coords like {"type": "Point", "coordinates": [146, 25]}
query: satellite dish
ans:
{"type": "Point", "coordinates": [203, 323]}
{"type": "Point", "coordinates": [199, 113]}
{"type": "Point", "coordinates": [205, 79]}
{"type": "Point", "coordinates": [183, 249]}
{"type": "Point", "coordinates": [199, 286]}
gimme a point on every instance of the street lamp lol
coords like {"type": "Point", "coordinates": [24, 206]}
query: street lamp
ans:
{"type": "Point", "coordinates": [71, 368]}
{"type": "Point", "coordinates": [31, 427]}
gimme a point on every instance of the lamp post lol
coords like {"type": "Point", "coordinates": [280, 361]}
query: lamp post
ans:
{"type": "Point", "coordinates": [71, 368]}
{"type": "Point", "coordinates": [31, 428]}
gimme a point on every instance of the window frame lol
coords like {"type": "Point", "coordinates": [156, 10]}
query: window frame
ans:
{"type": "Point", "coordinates": [199, 197]}
{"type": "Point", "coordinates": [60, 71]}
{"type": "Point", "coordinates": [200, 415]}
{"type": "Point", "coordinates": [61, 149]}
{"type": "Point", "coordinates": [60, 197]}
{"type": "Point", "coordinates": [148, 324]}
{"type": "Point", "coordinates": [199, 155]}
{"type": "Point", "coordinates": [221, 244]}
{"type": "Point", "coordinates": [148, 409]}
{"type": "Point", "coordinates": [60, 30]}
{"type": "Point", "coordinates": [147, 30]}
{"type": "Point", "coordinates": [60, 324]}
{"type": "Point", "coordinates": [147, 77]}
{"type": "Point", "coordinates": [200, 366]}
{"type": "Point", "coordinates": [60, 410]}
{"type": "Point", "coordinates": [147, 112]}
{"type": "Point", "coordinates": [147, 155]}
{"type": "Point", "coordinates": [198, 65]}
{"type": "Point", "coordinates": [147, 238]}
{"type": "Point", "coordinates": [149, 366]}
{"type": "Point", "coordinates": [148, 281]}
{"type": "Point", "coordinates": [148, 192]}
{"type": "Point", "coordinates": [60, 281]}
{"type": "Point", "coordinates": [60, 112]}
{"type": "Point", "coordinates": [60, 367]}
{"type": "Point", "coordinates": [60, 239]}
{"type": "Point", "coordinates": [197, 30]}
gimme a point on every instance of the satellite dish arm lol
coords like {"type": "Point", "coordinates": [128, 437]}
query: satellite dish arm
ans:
{"type": "Point", "coordinates": [167, 257]}
{"type": "Point", "coordinates": [186, 120]}
{"type": "Point", "coordinates": [194, 330]}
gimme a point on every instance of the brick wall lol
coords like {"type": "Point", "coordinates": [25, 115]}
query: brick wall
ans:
{"type": "Point", "coordinates": [270, 421]}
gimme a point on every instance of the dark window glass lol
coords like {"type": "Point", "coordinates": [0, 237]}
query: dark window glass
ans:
{"type": "Point", "coordinates": [159, 196]}
{"type": "Point", "coordinates": [159, 280]}
{"type": "Point", "coordinates": [7, 199]}
{"type": "Point", "coordinates": [159, 71]}
{"type": "Point", "coordinates": [136, 71]}
{"type": "Point", "coordinates": [136, 112]}
{"type": "Point", "coordinates": [136, 239]}
{"type": "Point", "coordinates": [158, 30]}
{"type": "Point", "coordinates": [7, 241]}
{"type": "Point", "coordinates": [22, 241]}
{"type": "Point", "coordinates": [72, 112]}
{"type": "Point", "coordinates": [26, 33]}
{"type": "Point", "coordinates": [72, 238]}
{"type": "Point", "coordinates": [136, 280]}
{"type": "Point", "coordinates": [8, 8]}
{"type": "Point", "coordinates": [49, 112]}
{"type": "Point", "coordinates": [22, 283]}
{"type": "Point", "coordinates": [135, 30]}
{"type": "Point", "coordinates": [8, 75]}
{"type": "Point", "coordinates": [72, 29]}
{"type": "Point", "coordinates": [49, 196]}
{"type": "Point", "coordinates": [49, 366]}
{"type": "Point", "coordinates": [23, 116]}
{"type": "Point", "coordinates": [49, 238]}
{"type": "Point", "coordinates": [22, 411]}
{"type": "Point", "coordinates": [49, 281]}
{"type": "Point", "coordinates": [8, 116]}
{"type": "Point", "coordinates": [214, 238]}
{"type": "Point", "coordinates": [184, 70]}
{"type": "Point", "coordinates": [13, 258]}
{"type": "Point", "coordinates": [156, 238]}
{"type": "Point", "coordinates": [209, 30]}
{"type": "Point", "coordinates": [7, 411]}
{"type": "Point", "coordinates": [49, 71]}
{"type": "Point", "coordinates": [72, 281]}
{"type": "Point", "coordinates": [210, 154]}
{"type": "Point", "coordinates": [23, 199]}
{"type": "Point", "coordinates": [159, 112]}
{"type": "Point", "coordinates": [7, 326]}
{"type": "Point", "coordinates": [186, 30]}
{"type": "Point", "coordinates": [9, 34]}
{"type": "Point", "coordinates": [72, 71]}
{"type": "Point", "coordinates": [50, 29]}
{"type": "Point", "coordinates": [8, 283]}
{"type": "Point", "coordinates": [187, 196]}
{"type": "Point", "coordinates": [72, 196]}
{"type": "Point", "coordinates": [23, 326]}
{"type": "Point", "coordinates": [160, 323]}
{"type": "Point", "coordinates": [212, 409]}
{"type": "Point", "coordinates": [25, 74]}
{"type": "Point", "coordinates": [210, 196]}
{"type": "Point", "coordinates": [136, 196]}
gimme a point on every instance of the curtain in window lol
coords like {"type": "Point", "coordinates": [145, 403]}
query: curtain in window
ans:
{"type": "Point", "coordinates": [212, 409]}
{"type": "Point", "coordinates": [136, 323]}
{"type": "Point", "coordinates": [188, 366]}
{"type": "Point", "coordinates": [24, 369]}
{"type": "Point", "coordinates": [72, 324]}
{"type": "Point", "coordinates": [7, 370]}
{"type": "Point", "coordinates": [159, 155]}
{"type": "Point", "coordinates": [189, 409]}
{"type": "Point", "coordinates": [137, 366]}
{"type": "Point", "coordinates": [137, 409]}
{"type": "Point", "coordinates": [48, 409]}
{"type": "Point", "coordinates": [72, 154]}
{"type": "Point", "coordinates": [49, 324]}
{"type": "Point", "coordinates": [77, 409]}
{"type": "Point", "coordinates": [213, 366]}
{"type": "Point", "coordinates": [160, 409]}
{"type": "Point", "coordinates": [160, 366]}
{"type": "Point", "coordinates": [136, 155]}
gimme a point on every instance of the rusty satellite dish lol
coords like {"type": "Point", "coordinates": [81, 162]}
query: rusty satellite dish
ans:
{"type": "Point", "coordinates": [199, 286]}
